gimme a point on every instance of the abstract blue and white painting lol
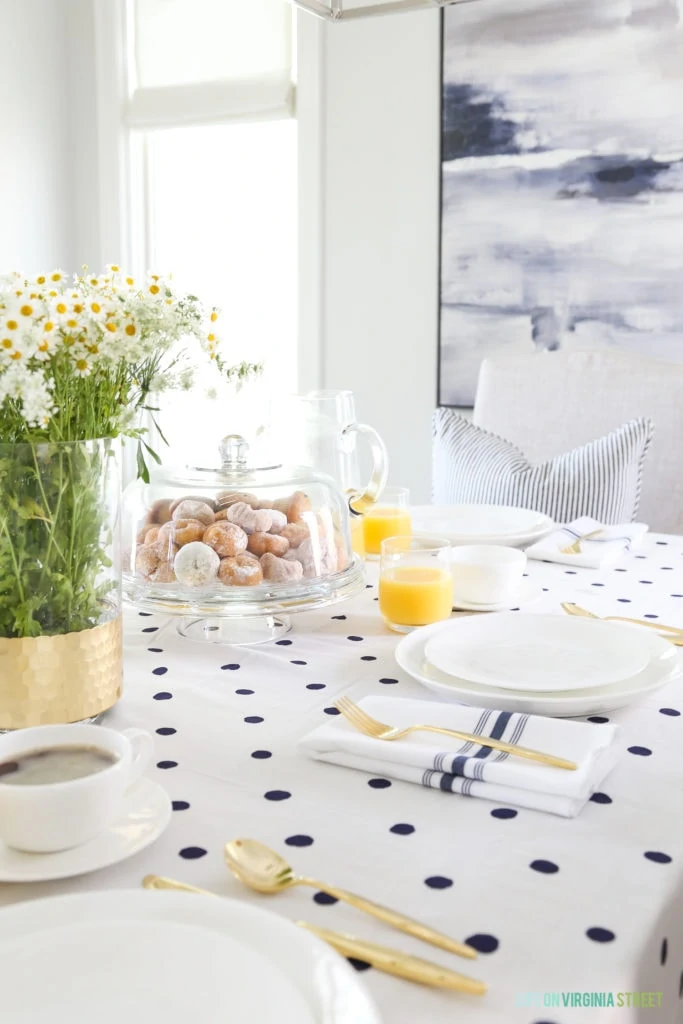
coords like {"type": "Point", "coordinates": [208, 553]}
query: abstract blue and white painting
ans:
{"type": "Point", "coordinates": [562, 181]}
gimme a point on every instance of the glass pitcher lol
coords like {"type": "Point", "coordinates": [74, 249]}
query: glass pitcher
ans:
{"type": "Point", "coordinates": [321, 431]}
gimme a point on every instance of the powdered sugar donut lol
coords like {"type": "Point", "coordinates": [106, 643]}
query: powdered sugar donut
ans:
{"type": "Point", "coordinates": [190, 509]}
{"type": "Point", "coordinates": [196, 563]}
{"type": "Point", "coordinates": [241, 571]}
{"type": "Point", "coordinates": [227, 539]}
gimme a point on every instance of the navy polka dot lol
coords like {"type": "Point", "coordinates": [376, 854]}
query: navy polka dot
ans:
{"type": "Point", "coordinates": [324, 899]}
{"type": "Point", "coordinates": [546, 867]}
{"type": "Point", "coordinates": [680, 986]}
{"type": "Point", "coordinates": [299, 840]}
{"type": "Point", "coordinates": [284, 643]}
{"type": "Point", "coordinates": [641, 556]}
{"type": "Point", "coordinates": [657, 857]}
{"type": "Point", "coordinates": [672, 712]}
{"type": "Point", "coordinates": [354, 638]}
{"type": "Point", "coordinates": [253, 719]}
{"type": "Point", "coordinates": [150, 629]}
{"type": "Point", "coordinates": [167, 764]}
{"type": "Point", "coordinates": [677, 595]}
{"type": "Point", "coordinates": [155, 650]}
{"type": "Point", "coordinates": [621, 570]}
{"type": "Point", "coordinates": [161, 671]}
{"type": "Point", "coordinates": [503, 812]}
{"type": "Point", "coordinates": [315, 686]}
{"type": "Point", "coordinates": [368, 657]}
{"type": "Point", "coordinates": [601, 798]}
{"type": "Point", "coordinates": [298, 663]}
{"type": "Point", "coordinates": [662, 543]}
{"type": "Point", "coordinates": [180, 805]}
{"type": "Point", "coordinates": [402, 829]}
{"type": "Point", "coordinates": [650, 616]}
{"type": "Point", "coordinates": [163, 695]}
{"type": "Point", "coordinates": [483, 943]}
{"type": "Point", "coordinates": [649, 582]}
{"type": "Point", "coordinates": [359, 965]}
{"type": "Point", "coordinates": [145, 615]}
{"type": "Point", "coordinates": [340, 618]}
{"type": "Point", "coordinates": [438, 882]}
{"type": "Point", "coordinates": [277, 794]}
{"type": "Point", "coordinates": [663, 952]}
{"type": "Point", "coordinates": [379, 783]}
{"type": "Point", "coordinates": [166, 731]}
{"type": "Point", "coordinates": [597, 584]}
{"type": "Point", "coordinates": [388, 682]}
{"type": "Point", "coordinates": [244, 693]}
{"type": "Point", "coordinates": [192, 852]}
{"type": "Point", "coordinates": [544, 589]}
{"type": "Point", "coordinates": [600, 934]}
{"type": "Point", "coordinates": [640, 751]}
{"type": "Point", "coordinates": [368, 586]}
{"type": "Point", "coordinates": [332, 711]}
{"type": "Point", "coordinates": [624, 600]}
{"type": "Point", "coordinates": [598, 718]}
{"type": "Point", "coordinates": [570, 572]}
{"type": "Point", "coordinates": [666, 568]}
{"type": "Point", "coordinates": [230, 668]}
{"type": "Point", "coordinates": [261, 755]}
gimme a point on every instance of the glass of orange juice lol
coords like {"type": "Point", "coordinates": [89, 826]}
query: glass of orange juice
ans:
{"type": "Point", "coordinates": [389, 517]}
{"type": "Point", "coordinates": [415, 582]}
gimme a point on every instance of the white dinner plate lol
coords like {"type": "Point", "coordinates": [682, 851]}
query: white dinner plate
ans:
{"type": "Point", "coordinates": [145, 814]}
{"type": "Point", "coordinates": [481, 524]}
{"type": "Point", "coordinates": [527, 592]}
{"type": "Point", "coordinates": [664, 666]}
{"type": "Point", "coordinates": [537, 653]}
{"type": "Point", "coordinates": [167, 958]}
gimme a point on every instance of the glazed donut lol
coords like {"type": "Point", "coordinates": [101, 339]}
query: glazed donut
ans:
{"type": "Point", "coordinates": [226, 539]}
{"type": "Point", "coordinates": [241, 571]}
{"type": "Point", "coordinates": [181, 532]}
{"type": "Point", "coordinates": [192, 497]}
{"type": "Point", "coordinates": [196, 564]}
{"type": "Point", "coordinates": [190, 509]}
{"type": "Point", "coordinates": [155, 561]}
{"type": "Point", "coordinates": [259, 543]}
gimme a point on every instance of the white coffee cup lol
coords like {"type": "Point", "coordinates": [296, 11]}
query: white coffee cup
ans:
{"type": "Point", "coordinates": [59, 815]}
{"type": "Point", "coordinates": [486, 573]}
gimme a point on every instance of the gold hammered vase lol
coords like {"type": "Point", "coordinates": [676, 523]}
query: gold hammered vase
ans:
{"type": "Point", "coordinates": [61, 657]}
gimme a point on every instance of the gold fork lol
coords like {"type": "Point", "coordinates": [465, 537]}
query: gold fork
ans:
{"type": "Point", "coordinates": [672, 633]}
{"type": "Point", "coordinates": [368, 725]}
{"type": "Point", "coordinates": [575, 548]}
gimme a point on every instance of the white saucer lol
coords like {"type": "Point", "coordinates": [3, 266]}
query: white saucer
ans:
{"type": "Point", "coordinates": [481, 524]}
{"type": "Point", "coordinates": [528, 592]}
{"type": "Point", "coordinates": [146, 813]}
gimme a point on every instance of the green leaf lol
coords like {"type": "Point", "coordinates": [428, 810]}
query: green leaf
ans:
{"type": "Point", "coordinates": [152, 453]}
{"type": "Point", "coordinates": [143, 471]}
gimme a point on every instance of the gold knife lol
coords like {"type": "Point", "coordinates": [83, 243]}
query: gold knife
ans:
{"type": "Point", "coordinates": [390, 961]}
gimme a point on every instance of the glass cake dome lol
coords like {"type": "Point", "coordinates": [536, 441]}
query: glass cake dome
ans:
{"type": "Point", "coordinates": [233, 549]}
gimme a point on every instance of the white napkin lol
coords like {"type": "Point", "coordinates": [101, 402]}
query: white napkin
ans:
{"type": "Point", "coordinates": [607, 547]}
{"type": "Point", "coordinates": [439, 762]}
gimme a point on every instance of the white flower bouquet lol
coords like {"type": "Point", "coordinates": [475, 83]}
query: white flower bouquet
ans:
{"type": "Point", "coordinates": [79, 360]}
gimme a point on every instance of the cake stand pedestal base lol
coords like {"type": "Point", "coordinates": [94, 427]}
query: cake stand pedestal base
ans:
{"type": "Point", "coordinates": [250, 631]}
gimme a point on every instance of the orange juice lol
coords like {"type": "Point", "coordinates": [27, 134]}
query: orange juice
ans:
{"type": "Point", "coordinates": [357, 536]}
{"type": "Point", "coordinates": [415, 595]}
{"type": "Point", "coordinates": [382, 521]}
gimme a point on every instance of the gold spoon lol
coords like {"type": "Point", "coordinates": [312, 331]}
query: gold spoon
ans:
{"type": "Point", "coordinates": [391, 961]}
{"type": "Point", "coordinates": [264, 870]}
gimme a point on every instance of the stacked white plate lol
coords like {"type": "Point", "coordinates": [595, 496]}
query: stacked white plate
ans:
{"type": "Point", "coordinates": [167, 958]}
{"type": "Point", "coordinates": [539, 664]}
{"type": "Point", "coordinates": [481, 524]}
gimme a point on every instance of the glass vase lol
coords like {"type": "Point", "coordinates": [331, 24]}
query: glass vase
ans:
{"type": "Point", "coordinates": [60, 582]}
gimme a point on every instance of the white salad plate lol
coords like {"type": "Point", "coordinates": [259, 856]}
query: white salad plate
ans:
{"type": "Point", "coordinates": [167, 958]}
{"type": "Point", "coordinates": [663, 667]}
{"type": "Point", "coordinates": [527, 592]}
{"type": "Point", "coordinates": [537, 653]}
{"type": "Point", "coordinates": [481, 524]}
{"type": "Point", "coordinates": [145, 814]}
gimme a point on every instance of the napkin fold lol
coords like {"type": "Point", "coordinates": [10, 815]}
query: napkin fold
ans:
{"type": "Point", "coordinates": [604, 549]}
{"type": "Point", "coordinates": [439, 762]}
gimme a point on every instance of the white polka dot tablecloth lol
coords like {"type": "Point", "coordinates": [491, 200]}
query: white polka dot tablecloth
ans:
{"type": "Point", "coordinates": [554, 906]}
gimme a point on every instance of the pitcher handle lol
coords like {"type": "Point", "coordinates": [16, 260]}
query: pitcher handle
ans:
{"type": "Point", "coordinates": [360, 501]}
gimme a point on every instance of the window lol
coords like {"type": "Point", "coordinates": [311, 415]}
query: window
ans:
{"type": "Point", "coordinates": [208, 173]}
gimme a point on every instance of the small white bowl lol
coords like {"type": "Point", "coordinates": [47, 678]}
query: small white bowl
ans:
{"type": "Point", "coordinates": [486, 573]}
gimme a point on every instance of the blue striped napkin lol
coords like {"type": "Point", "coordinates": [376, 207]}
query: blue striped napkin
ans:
{"type": "Point", "coordinates": [437, 762]}
{"type": "Point", "coordinates": [605, 548]}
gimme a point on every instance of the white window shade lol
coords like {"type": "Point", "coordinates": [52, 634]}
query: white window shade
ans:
{"type": "Point", "coordinates": [199, 61]}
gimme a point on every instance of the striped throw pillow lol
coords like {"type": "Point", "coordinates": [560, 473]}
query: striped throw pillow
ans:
{"type": "Point", "coordinates": [601, 479]}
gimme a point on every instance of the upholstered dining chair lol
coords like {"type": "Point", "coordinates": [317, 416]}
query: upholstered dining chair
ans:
{"type": "Point", "coordinates": [547, 403]}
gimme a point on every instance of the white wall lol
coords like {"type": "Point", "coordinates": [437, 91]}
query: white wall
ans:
{"type": "Point", "coordinates": [36, 190]}
{"type": "Point", "coordinates": [380, 229]}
